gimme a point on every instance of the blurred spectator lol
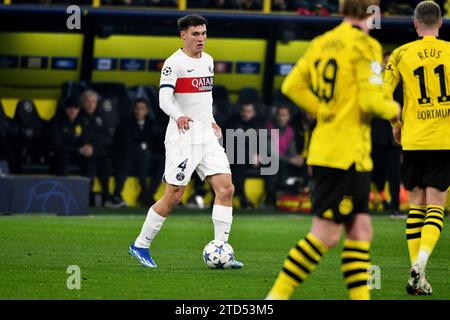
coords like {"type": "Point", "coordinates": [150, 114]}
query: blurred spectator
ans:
{"type": "Point", "coordinates": [249, 95]}
{"type": "Point", "coordinates": [142, 3]}
{"type": "Point", "coordinates": [29, 142]}
{"type": "Point", "coordinates": [56, 2]}
{"type": "Point", "coordinates": [302, 7]}
{"type": "Point", "coordinates": [251, 4]}
{"type": "Point", "coordinates": [222, 108]}
{"type": "Point", "coordinates": [197, 4]}
{"type": "Point", "coordinates": [131, 3]}
{"type": "Point", "coordinates": [246, 120]}
{"type": "Point", "coordinates": [69, 139]}
{"type": "Point", "coordinates": [316, 7]}
{"type": "Point", "coordinates": [405, 7]}
{"type": "Point", "coordinates": [214, 4]}
{"type": "Point", "coordinates": [279, 5]}
{"type": "Point", "coordinates": [292, 163]}
{"type": "Point", "coordinates": [99, 139]}
{"type": "Point", "coordinates": [223, 4]}
{"type": "Point", "coordinates": [289, 5]}
{"type": "Point", "coordinates": [134, 142]}
{"type": "Point", "coordinates": [280, 98]}
{"type": "Point", "coordinates": [6, 133]}
{"type": "Point", "coordinates": [162, 3]}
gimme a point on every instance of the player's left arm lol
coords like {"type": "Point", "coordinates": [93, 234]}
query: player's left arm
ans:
{"type": "Point", "coordinates": [392, 78]}
{"type": "Point", "coordinates": [297, 86]}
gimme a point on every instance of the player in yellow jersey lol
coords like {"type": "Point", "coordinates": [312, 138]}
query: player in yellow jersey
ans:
{"type": "Point", "coordinates": [339, 81]}
{"type": "Point", "coordinates": [424, 68]}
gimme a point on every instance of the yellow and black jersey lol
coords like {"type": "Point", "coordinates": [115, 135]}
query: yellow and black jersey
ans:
{"type": "Point", "coordinates": [424, 68]}
{"type": "Point", "coordinates": [339, 80]}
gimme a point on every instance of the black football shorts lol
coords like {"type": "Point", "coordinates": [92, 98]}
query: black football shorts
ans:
{"type": "Point", "coordinates": [426, 168]}
{"type": "Point", "coordinates": [340, 194]}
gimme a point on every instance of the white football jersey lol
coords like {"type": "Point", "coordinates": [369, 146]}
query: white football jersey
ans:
{"type": "Point", "coordinates": [191, 81]}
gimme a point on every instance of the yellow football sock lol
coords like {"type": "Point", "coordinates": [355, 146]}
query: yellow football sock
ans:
{"type": "Point", "coordinates": [432, 227]}
{"type": "Point", "coordinates": [414, 224]}
{"type": "Point", "coordinates": [301, 261]}
{"type": "Point", "coordinates": [355, 264]}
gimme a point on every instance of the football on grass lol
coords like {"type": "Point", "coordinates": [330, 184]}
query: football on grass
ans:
{"type": "Point", "coordinates": [218, 255]}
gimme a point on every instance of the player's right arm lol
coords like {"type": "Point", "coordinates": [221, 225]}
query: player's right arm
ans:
{"type": "Point", "coordinates": [391, 79]}
{"type": "Point", "coordinates": [297, 85]}
{"type": "Point", "coordinates": [391, 75]}
{"type": "Point", "coordinates": [371, 96]}
{"type": "Point", "coordinates": [167, 85]}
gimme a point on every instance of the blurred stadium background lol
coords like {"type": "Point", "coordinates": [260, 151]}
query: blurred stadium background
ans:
{"type": "Point", "coordinates": [119, 50]}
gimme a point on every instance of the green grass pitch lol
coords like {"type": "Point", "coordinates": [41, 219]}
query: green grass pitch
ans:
{"type": "Point", "coordinates": [35, 251]}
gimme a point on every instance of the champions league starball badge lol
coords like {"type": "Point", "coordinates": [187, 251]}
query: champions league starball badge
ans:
{"type": "Point", "coordinates": [167, 71]}
{"type": "Point", "coordinates": [180, 176]}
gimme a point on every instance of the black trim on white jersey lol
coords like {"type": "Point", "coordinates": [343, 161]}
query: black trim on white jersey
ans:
{"type": "Point", "coordinates": [167, 86]}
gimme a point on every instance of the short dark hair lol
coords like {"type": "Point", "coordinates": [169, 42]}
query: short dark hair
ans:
{"type": "Point", "coordinates": [191, 20]}
{"type": "Point", "coordinates": [71, 102]}
{"type": "Point", "coordinates": [428, 13]}
{"type": "Point", "coordinates": [141, 100]}
{"type": "Point", "coordinates": [356, 8]}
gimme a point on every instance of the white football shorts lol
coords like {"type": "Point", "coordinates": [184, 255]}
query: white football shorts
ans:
{"type": "Point", "coordinates": [182, 160]}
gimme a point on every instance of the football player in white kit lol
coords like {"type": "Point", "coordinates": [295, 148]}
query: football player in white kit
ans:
{"type": "Point", "coordinates": [191, 141]}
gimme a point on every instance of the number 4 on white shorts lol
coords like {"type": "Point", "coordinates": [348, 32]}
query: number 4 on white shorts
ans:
{"type": "Point", "coordinates": [182, 165]}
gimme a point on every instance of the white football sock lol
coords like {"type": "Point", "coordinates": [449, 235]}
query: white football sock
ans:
{"type": "Point", "coordinates": [422, 258]}
{"type": "Point", "coordinates": [222, 217]}
{"type": "Point", "coordinates": [150, 229]}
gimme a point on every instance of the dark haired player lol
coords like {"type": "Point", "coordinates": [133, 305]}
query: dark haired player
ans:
{"type": "Point", "coordinates": [191, 138]}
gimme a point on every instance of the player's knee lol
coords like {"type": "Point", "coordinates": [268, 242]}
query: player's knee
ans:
{"type": "Point", "coordinates": [225, 192]}
{"type": "Point", "coordinates": [173, 198]}
{"type": "Point", "coordinates": [435, 196]}
{"type": "Point", "coordinates": [362, 233]}
{"type": "Point", "coordinates": [418, 196]}
{"type": "Point", "coordinates": [329, 239]}
{"type": "Point", "coordinates": [332, 240]}
{"type": "Point", "coordinates": [173, 201]}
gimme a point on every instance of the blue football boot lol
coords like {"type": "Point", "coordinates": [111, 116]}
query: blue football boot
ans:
{"type": "Point", "coordinates": [142, 255]}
